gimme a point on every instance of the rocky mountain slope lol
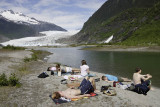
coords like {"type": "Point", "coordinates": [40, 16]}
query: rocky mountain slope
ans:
{"type": "Point", "coordinates": [131, 22]}
{"type": "Point", "coordinates": [17, 25]}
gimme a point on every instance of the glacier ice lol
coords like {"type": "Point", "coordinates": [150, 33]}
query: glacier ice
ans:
{"type": "Point", "coordinates": [48, 40]}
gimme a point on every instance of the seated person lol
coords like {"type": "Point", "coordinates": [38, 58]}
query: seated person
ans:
{"type": "Point", "coordinates": [66, 69]}
{"type": "Point", "coordinates": [86, 87]}
{"type": "Point", "coordinates": [52, 69]}
{"type": "Point", "coordinates": [63, 70]}
{"type": "Point", "coordinates": [84, 68]}
{"type": "Point", "coordinates": [111, 78]}
{"type": "Point", "coordinates": [141, 82]}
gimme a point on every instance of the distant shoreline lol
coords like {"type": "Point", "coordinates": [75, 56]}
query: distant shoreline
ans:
{"type": "Point", "coordinates": [123, 48]}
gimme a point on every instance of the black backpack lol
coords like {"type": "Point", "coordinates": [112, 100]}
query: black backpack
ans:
{"type": "Point", "coordinates": [43, 75]}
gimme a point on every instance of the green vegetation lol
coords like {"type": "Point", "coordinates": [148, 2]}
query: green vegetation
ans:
{"type": "Point", "coordinates": [22, 69]}
{"type": "Point", "coordinates": [105, 35]}
{"type": "Point", "coordinates": [26, 59]}
{"type": "Point", "coordinates": [37, 54]}
{"type": "Point", "coordinates": [10, 47]}
{"type": "Point", "coordinates": [103, 44]}
{"type": "Point", "coordinates": [136, 24]}
{"type": "Point", "coordinates": [3, 80]}
{"type": "Point", "coordinates": [148, 32]}
{"type": "Point", "coordinates": [30, 63]}
{"type": "Point", "coordinates": [33, 58]}
{"type": "Point", "coordinates": [12, 81]}
{"type": "Point", "coordinates": [147, 35]}
{"type": "Point", "coordinates": [73, 45]}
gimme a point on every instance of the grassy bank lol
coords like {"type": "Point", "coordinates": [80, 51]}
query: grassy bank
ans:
{"type": "Point", "coordinates": [122, 48]}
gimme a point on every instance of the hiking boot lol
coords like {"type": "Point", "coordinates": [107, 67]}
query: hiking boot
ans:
{"type": "Point", "coordinates": [104, 88]}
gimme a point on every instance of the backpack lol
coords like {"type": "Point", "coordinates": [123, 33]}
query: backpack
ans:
{"type": "Point", "coordinates": [43, 75]}
{"type": "Point", "coordinates": [132, 87]}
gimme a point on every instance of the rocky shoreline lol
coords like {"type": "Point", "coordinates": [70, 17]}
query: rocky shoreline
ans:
{"type": "Point", "coordinates": [35, 92]}
{"type": "Point", "coordinates": [123, 48]}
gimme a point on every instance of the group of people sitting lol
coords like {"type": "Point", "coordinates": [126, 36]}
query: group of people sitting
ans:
{"type": "Point", "coordinates": [142, 83]}
{"type": "Point", "coordinates": [84, 69]}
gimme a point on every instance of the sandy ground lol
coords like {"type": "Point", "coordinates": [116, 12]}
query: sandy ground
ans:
{"type": "Point", "coordinates": [10, 58]}
{"type": "Point", "coordinates": [35, 92]}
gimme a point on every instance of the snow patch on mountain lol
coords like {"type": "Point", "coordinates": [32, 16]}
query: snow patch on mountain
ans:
{"type": "Point", "coordinates": [48, 40]}
{"type": "Point", "coordinates": [109, 39]}
{"type": "Point", "coordinates": [18, 17]}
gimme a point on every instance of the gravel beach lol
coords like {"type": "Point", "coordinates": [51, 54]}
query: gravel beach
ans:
{"type": "Point", "coordinates": [35, 91]}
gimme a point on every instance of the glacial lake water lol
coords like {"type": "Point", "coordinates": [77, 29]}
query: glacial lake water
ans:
{"type": "Point", "coordinates": [115, 63]}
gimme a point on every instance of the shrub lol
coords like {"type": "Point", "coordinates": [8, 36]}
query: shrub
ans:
{"type": "Point", "coordinates": [34, 57]}
{"type": "Point", "coordinates": [26, 59]}
{"type": "Point", "coordinates": [3, 80]}
{"type": "Point", "coordinates": [13, 47]}
{"type": "Point", "coordinates": [13, 80]}
{"type": "Point", "coordinates": [37, 54]}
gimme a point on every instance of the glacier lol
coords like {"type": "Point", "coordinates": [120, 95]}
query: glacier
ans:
{"type": "Point", "coordinates": [48, 40]}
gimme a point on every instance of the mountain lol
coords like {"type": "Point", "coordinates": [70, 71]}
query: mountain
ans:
{"type": "Point", "coordinates": [15, 25]}
{"type": "Point", "coordinates": [131, 22]}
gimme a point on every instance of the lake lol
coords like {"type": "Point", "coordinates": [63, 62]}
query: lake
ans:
{"type": "Point", "coordinates": [115, 63]}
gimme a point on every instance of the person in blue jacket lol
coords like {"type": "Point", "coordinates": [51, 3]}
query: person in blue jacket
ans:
{"type": "Point", "coordinates": [111, 78]}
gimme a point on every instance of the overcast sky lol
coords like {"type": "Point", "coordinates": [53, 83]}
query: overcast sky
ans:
{"type": "Point", "coordinates": [69, 14]}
